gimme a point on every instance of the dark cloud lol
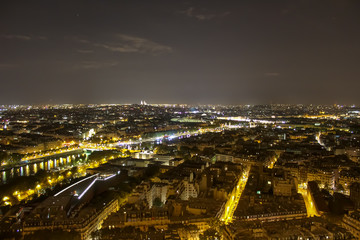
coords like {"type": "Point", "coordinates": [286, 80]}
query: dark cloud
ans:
{"type": "Point", "coordinates": [96, 64]}
{"type": "Point", "coordinates": [86, 51]}
{"type": "Point", "coordinates": [205, 51]}
{"type": "Point", "coordinates": [203, 15]}
{"type": "Point", "coordinates": [23, 37]}
{"type": "Point", "coordinates": [130, 44]}
{"type": "Point", "coordinates": [123, 43]}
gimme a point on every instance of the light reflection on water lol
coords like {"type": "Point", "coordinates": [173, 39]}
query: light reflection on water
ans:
{"type": "Point", "coordinates": [46, 164]}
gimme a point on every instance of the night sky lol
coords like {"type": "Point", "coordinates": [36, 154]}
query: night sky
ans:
{"type": "Point", "coordinates": [172, 51]}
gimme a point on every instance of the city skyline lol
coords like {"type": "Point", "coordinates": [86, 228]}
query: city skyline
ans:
{"type": "Point", "coordinates": [177, 120]}
{"type": "Point", "coordinates": [177, 171]}
{"type": "Point", "coordinates": [179, 52]}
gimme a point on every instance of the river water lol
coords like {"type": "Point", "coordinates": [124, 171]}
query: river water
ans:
{"type": "Point", "coordinates": [47, 163]}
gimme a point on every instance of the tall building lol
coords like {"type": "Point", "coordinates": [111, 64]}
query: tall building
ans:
{"type": "Point", "coordinates": [158, 191]}
{"type": "Point", "coordinates": [187, 190]}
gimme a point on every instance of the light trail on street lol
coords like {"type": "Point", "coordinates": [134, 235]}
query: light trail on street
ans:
{"type": "Point", "coordinates": [233, 201]}
{"type": "Point", "coordinates": [310, 206]}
